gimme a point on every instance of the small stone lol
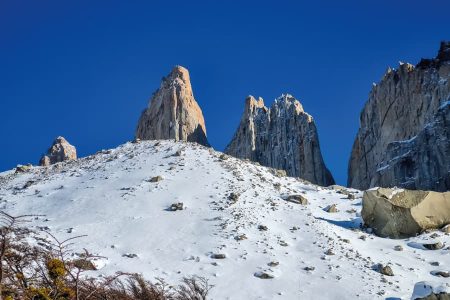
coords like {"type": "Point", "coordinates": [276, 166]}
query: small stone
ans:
{"type": "Point", "coordinates": [218, 256]}
{"type": "Point", "coordinates": [398, 248]}
{"type": "Point", "coordinates": [385, 270]}
{"type": "Point", "coordinates": [298, 199]}
{"type": "Point", "coordinates": [240, 237]}
{"type": "Point", "coordinates": [130, 255]}
{"type": "Point", "coordinates": [262, 228]}
{"type": "Point", "coordinates": [156, 179]}
{"type": "Point", "coordinates": [273, 263]}
{"type": "Point", "coordinates": [176, 206]}
{"type": "Point", "coordinates": [283, 243]}
{"type": "Point", "coordinates": [434, 235]}
{"type": "Point", "coordinates": [23, 169]}
{"type": "Point", "coordinates": [434, 246]}
{"type": "Point", "coordinates": [332, 208]}
{"type": "Point", "coordinates": [223, 156]}
{"type": "Point", "coordinates": [329, 252]}
{"type": "Point", "coordinates": [309, 269]}
{"type": "Point", "coordinates": [435, 263]}
{"type": "Point", "coordinates": [233, 197]}
{"type": "Point", "coordinates": [263, 275]}
{"type": "Point", "coordinates": [441, 274]}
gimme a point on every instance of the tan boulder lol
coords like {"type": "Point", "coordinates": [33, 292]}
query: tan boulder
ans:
{"type": "Point", "coordinates": [60, 151]}
{"type": "Point", "coordinates": [399, 213]}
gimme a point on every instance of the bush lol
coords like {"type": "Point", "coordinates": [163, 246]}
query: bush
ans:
{"type": "Point", "coordinates": [42, 269]}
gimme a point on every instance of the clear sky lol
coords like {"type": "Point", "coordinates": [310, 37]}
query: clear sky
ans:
{"type": "Point", "coordinates": [86, 69]}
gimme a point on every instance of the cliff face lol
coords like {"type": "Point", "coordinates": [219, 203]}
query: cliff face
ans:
{"type": "Point", "coordinates": [283, 137]}
{"type": "Point", "coordinates": [404, 135]}
{"type": "Point", "coordinates": [173, 112]}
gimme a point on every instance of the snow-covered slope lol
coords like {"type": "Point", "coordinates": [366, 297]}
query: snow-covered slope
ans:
{"type": "Point", "coordinates": [109, 197]}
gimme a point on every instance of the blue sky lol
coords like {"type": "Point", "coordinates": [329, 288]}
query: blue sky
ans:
{"type": "Point", "coordinates": [86, 69]}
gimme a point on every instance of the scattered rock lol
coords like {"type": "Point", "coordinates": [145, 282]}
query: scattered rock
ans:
{"type": "Point", "coordinates": [156, 179]}
{"type": "Point", "coordinates": [398, 248]}
{"type": "Point", "coordinates": [262, 227]}
{"type": "Point", "coordinates": [176, 206]}
{"type": "Point", "coordinates": [273, 263]}
{"type": "Point", "coordinates": [240, 237]}
{"type": "Point", "coordinates": [351, 196]}
{"type": "Point", "coordinates": [130, 255]}
{"type": "Point", "coordinates": [329, 252]}
{"type": "Point", "coordinates": [283, 243]}
{"type": "Point", "coordinates": [233, 197]}
{"type": "Point", "coordinates": [398, 213]}
{"type": "Point", "coordinates": [441, 274]}
{"type": "Point", "coordinates": [23, 169]}
{"type": "Point", "coordinates": [277, 172]}
{"type": "Point", "coordinates": [434, 246]}
{"type": "Point", "coordinates": [298, 199]}
{"type": "Point", "coordinates": [385, 270]}
{"type": "Point", "coordinates": [263, 275]}
{"type": "Point", "coordinates": [332, 208]}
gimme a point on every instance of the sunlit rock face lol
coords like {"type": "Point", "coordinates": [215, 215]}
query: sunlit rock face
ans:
{"type": "Point", "coordinates": [282, 137]}
{"type": "Point", "coordinates": [404, 134]}
{"type": "Point", "coordinates": [60, 151]}
{"type": "Point", "coordinates": [173, 112]}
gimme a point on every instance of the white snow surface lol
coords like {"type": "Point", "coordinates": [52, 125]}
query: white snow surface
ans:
{"type": "Point", "coordinates": [108, 197]}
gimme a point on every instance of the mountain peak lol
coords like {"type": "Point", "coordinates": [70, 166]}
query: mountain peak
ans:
{"type": "Point", "coordinates": [173, 112]}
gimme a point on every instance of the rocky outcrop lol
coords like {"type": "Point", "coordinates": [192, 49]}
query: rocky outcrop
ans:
{"type": "Point", "coordinates": [404, 135]}
{"type": "Point", "coordinates": [399, 213]}
{"type": "Point", "coordinates": [282, 137]}
{"type": "Point", "coordinates": [60, 151]}
{"type": "Point", "coordinates": [173, 112]}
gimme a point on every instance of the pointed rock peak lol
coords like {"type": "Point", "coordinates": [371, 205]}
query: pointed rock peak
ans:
{"type": "Point", "coordinates": [181, 73]}
{"type": "Point", "coordinates": [173, 112]}
{"type": "Point", "coordinates": [60, 151]}
{"type": "Point", "coordinates": [282, 137]}
{"type": "Point", "coordinates": [251, 103]}
{"type": "Point", "coordinates": [287, 100]}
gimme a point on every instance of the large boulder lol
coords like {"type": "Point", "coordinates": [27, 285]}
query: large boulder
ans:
{"type": "Point", "coordinates": [404, 134]}
{"type": "Point", "coordinates": [283, 136]}
{"type": "Point", "coordinates": [399, 213]}
{"type": "Point", "coordinates": [60, 151]}
{"type": "Point", "coordinates": [173, 112]}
